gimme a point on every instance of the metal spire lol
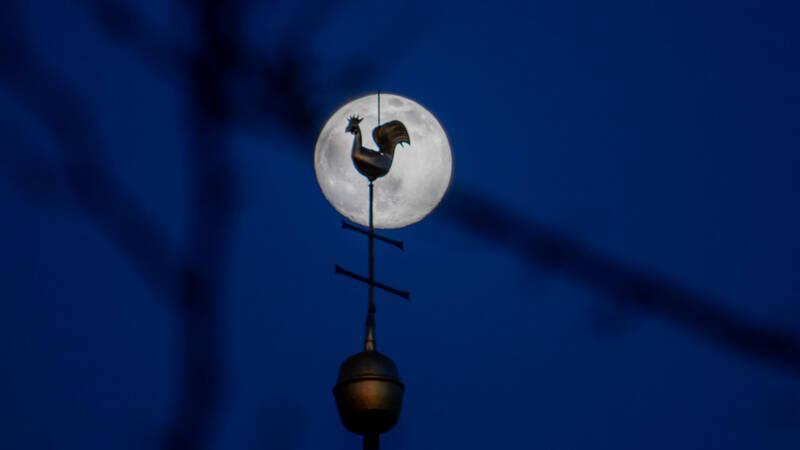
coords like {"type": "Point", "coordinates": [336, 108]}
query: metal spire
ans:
{"type": "Point", "coordinates": [369, 339]}
{"type": "Point", "coordinates": [390, 392]}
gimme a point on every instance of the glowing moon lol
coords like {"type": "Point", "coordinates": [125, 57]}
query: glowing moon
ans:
{"type": "Point", "coordinates": [419, 176]}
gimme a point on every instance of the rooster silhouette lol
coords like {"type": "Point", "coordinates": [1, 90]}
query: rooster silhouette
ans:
{"type": "Point", "coordinates": [371, 163]}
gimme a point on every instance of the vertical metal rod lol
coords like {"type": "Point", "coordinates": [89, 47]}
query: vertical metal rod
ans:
{"type": "Point", "coordinates": [371, 442]}
{"type": "Point", "coordinates": [369, 341]}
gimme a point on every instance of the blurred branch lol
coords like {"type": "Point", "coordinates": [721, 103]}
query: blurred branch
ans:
{"type": "Point", "coordinates": [624, 284]}
{"type": "Point", "coordinates": [123, 25]}
{"type": "Point", "coordinates": [260, 88]}
{"type": "Point", "coordinates": [279, 89]}
{"type": "Point", "coordinates": [84, 167]}
{"type": "Point", "coordinates": [36, 177]}
{"type": "Point", "coordinates": [192, 282]}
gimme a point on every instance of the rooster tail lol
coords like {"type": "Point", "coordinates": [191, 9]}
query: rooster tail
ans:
{"type": "Point", "coordinates": [388, 135]}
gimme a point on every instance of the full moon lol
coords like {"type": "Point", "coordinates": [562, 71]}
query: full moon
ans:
{"type": "Point", "coordinates": [419, 176]}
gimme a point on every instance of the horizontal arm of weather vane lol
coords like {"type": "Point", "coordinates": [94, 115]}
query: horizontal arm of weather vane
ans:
{"type": "Point", "coordinates": [386, 288]}
{"type": "Point", "coordinates": [348, 226]}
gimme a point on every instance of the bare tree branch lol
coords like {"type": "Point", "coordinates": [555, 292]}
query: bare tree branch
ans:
{"type": "Point", "coordinates": [94, 187]}
{"type": "Point", "coordinates": [625, 285]}
{"type": "Point", "coordinates": [37, 177]}
{"type": "Point", "coordinates": [123, 25]}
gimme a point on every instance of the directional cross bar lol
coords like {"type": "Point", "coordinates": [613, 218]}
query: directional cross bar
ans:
{"type": "Point", "coordinates": [348, 226]}
{"type": "Point", "coordinates": [386, 288]}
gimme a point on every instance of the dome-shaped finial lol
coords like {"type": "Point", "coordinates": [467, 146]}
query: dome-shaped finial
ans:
{"type": "Point", "coordinates": [368, 393]}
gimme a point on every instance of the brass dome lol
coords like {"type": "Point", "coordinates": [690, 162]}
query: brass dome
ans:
{"type": "Point", "coordinates": [368, 393]}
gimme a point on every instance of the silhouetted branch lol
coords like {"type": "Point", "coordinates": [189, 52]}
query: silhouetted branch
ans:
{"type": "Point", "coordinates": [622, 283]}
{"type": "Point", "coordinates": [260, 88]}
{"type": "Point", "coordinates": [122, 24]}
{"type": "Point", "coordinates": [33, 174]}
{"type": "Point", "coordinates": [85, 169]}
{"type": "Point", "coordinates": [193, 282]}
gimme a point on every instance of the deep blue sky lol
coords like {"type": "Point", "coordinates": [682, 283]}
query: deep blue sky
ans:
{"type": "Point", "coordinates": [663, 136]}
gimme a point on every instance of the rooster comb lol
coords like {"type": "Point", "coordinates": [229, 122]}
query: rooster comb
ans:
{"type": "Point", "coordinates": [355, 118]}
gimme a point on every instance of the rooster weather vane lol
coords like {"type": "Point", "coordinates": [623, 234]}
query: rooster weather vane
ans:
{"type": "Point", "coordinates": [368, 390]}
{"type": "Point", "coordinates": [375, 164]}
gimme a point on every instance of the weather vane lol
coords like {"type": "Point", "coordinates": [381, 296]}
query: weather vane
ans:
{"type": "Point", "coordinates": [402, 190]}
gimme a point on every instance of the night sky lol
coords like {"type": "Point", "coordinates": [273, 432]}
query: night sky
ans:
{"type": "Point", "coordinates": [615, 266]}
